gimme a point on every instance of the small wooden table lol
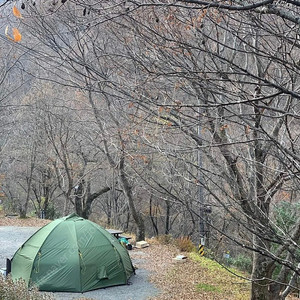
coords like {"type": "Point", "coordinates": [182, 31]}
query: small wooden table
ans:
{"type": "Point", "coordinates": [115, 232]}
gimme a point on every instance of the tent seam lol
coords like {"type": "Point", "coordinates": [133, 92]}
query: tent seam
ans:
{"type": "Point", "coordinates": [40, 247]}
{"type": "Point", "coordinates": [78, 251]}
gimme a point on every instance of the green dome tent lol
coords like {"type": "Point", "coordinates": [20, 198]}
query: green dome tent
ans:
{"type": "Point", "coordinates": [72, 254]}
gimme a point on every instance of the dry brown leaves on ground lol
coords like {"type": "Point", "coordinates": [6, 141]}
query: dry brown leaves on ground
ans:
{"type": "Point", "coordinates": [179, 280]}
{"type": "Point", "coordinates": [27, 222]}
{"type": "Point", "coordinates": [167, 274]}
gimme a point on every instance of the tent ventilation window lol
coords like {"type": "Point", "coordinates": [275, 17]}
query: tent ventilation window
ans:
{"type": "Point", "coordinates": [102, 274]}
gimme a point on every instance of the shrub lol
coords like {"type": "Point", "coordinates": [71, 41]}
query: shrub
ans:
{"type": "Point", "coordinates": [165, 239]}
{"type": "Point", "coordinates": [243, 263]}
{"type": "Point", "coordinates": [185, 244]}
{"type": "Point", "coordinates": [10, 290]}
{"type": "Point", "coordinates": [286, 215]}
{"type": "Point", "coordinates": [51, 213]}
{"type": "Point", "coordinates": [208, 253]}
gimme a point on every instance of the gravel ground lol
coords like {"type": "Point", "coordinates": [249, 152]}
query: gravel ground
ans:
{"type": "Point", "coordinates": [11, 238]}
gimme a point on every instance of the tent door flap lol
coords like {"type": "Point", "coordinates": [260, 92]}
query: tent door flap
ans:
{"type": "Point", "coordinates": [102, 274]}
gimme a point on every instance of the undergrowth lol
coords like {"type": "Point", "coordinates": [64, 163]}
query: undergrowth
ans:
{"type": "Point", "coordinates": [217, 279]}
{"type": "Point", "coordinates": [185, 244]}
{"type": "Point", "coordinates": [10, 290]}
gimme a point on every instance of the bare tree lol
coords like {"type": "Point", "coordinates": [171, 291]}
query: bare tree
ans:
{"type": "Point", "coordinates": [227, 70]}
{"type": "Point", "coordinates": [235, 76]}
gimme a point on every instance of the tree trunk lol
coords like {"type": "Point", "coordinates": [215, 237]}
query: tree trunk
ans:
{"type": "Point", "coordinates": [259, 286]}
{"type": "Point", "coordinates": [83, 208]}
{"type": "Point", "coordinates": [79, 199]}
{"type": "Point", "coordinates": [168, 208]}
{"type": "Point", "coordinates": [23, 211]}
{"type": "Point", "coordinates": [139, 221]}
{"type": "Point", "coordinates": [261, 273]}
{"type": "Point", "coordinates": [259, 291]}
{"type": "Point", "coordinates": [153, 218]}
{"type": "Point", "coordinates": [109, 210]}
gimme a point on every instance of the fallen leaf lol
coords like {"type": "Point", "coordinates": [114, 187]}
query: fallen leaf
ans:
{"type": "Point", "coordinates": [17, 35]}
{"type": "Point", "coordinates": [17, 13]}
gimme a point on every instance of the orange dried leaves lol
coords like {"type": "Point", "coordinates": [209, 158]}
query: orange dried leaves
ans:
{"type": "Point", "coordinates": [17, 13]}
{"type": "Point", "coordinates": [17, 37]}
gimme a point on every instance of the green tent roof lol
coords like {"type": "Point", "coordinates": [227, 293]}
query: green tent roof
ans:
{"type": "Point", "coordinates": [74, 255]}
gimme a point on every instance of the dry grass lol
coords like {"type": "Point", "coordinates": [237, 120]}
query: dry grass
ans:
{"type": "Point", "coordinates": [10, 290]}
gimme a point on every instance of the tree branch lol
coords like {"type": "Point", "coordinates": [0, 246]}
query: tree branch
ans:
{"type": "Point", "coordinates": [229, 7]}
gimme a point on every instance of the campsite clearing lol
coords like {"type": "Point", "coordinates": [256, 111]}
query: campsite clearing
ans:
{"type": "Point", "coordinates": [12, 237]}
{"type": "Point", "coordinates": [157, 276]}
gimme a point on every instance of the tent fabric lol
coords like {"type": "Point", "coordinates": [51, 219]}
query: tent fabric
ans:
{"type": "Point", "coordinates": [72, 254]}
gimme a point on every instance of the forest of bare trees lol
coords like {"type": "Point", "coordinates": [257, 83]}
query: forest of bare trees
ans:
{"type": "Point", "coordinates": [159, 117]}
